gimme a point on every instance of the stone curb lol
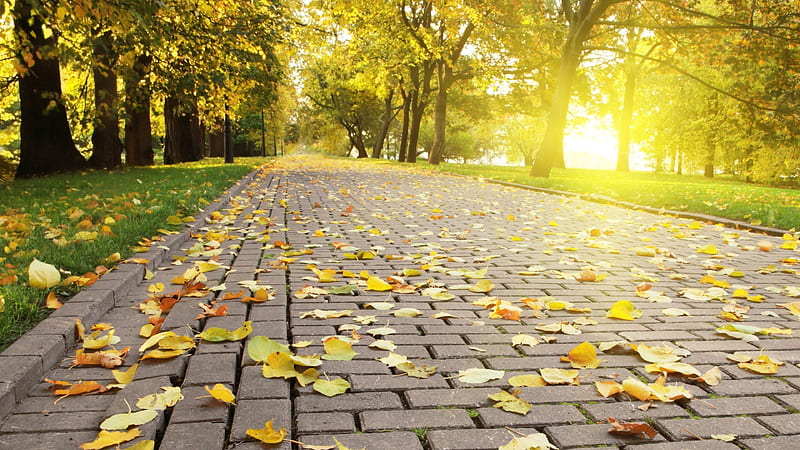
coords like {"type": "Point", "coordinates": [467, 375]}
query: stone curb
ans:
{"type": "Point", "coordinates": [736, 224]}
{"type": "Point", "coordinates": [25, 361]}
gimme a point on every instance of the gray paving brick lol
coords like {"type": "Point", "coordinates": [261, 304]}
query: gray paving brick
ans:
{"type": "Point", "coordinates": [255, 413]}
{"type": "Point", "coordinates": [371, 383]}
{"type": "Point", "coordinates": [347, 402]}
{"type": "Point", "coordinates": [465, 439]}
{"type": "Point", "coordinates": [383, 440]}
{"type": "Point", "coordinates": [706, 444]}
{"type": "Point", "coordinates": [410, 419]}
{"type": "Point", "coordinates": [539, 415]}
{"type": "Point", "coordinates": [325, 422]}
{"type": "Point", "coordinates": [194, 409]}
{"type": "Point", "coordinates": [735, 406]}
{"type": "Point", "coordinates": [783, 423]}
{"type": "Point", "coordinates": [752, 387]}
{"type": "Point", "coordinates": [681, 429]}
{"type": "Point", "coordinates": [566, 436]}
{"type": "Point", "coordinates": [194, 435]}
{"type": "Point", "coordinates": [771, 443]}
{"type": "Point", "coordinates": [52, 440]}
{"type": "Point", "coordinates": [72, 421]}
{"type": "Point", "coordinates": [211, 369]}
{"type": "Point", "coordinates": [629, 411]}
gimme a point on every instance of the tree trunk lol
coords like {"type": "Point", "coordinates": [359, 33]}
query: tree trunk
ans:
{"type": "Point", "coordinates": [46, 144]}
{"type": "Point", "coordinates": [184, 138]}
{"type": "Point", "coordinates": [624, 123]}
{"type": "Point", "coordinates": [106, 145]}
{"type": "Point", "coordinates": [551, 151]}
{"type": "Point", "coordinates": [403, 151]}
{"type": "Point", "coordinates": [419, 97]}
{"type": "Point", "coordinates": [138, 128]}
{"type": "Point", "coordinates": [445, 78]}
{"type": "Point", "coordinates": [388, 118]}
{"type": "Point", "coordinates": [216, 140]}
{"type": "Point", "coordinates": [708, 167]}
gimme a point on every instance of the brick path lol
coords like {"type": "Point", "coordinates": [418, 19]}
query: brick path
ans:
{"type": "Point", "coordinates": [533, 246]}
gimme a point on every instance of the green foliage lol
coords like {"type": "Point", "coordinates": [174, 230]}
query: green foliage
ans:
{"type": "Point", "coordinates": [139, 200]}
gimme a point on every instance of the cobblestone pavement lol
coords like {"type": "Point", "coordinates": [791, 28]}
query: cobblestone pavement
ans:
{"type": "Point", "coordinates": [439, 234]}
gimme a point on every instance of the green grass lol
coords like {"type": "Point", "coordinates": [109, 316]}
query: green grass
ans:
{"type": "Point", "coordinates": [755, 204]}
{"type": "Point", "coordinates": [40, 217]}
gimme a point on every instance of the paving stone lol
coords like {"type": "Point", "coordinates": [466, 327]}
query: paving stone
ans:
{"type": "Point", "coordinates": [254, 413]}
{"type": "Point", "coordinates": [405, 440]}
{"type": "Point", "coordinates": [368, 383]}
{"type": "Point", "coordinates": [465, 397]}
{"type": "Point", "coordinates": [194, 435]}
{"type": "Point", "coordinates": [50, 348]}
{"type": "Point", "coordinates": [539, 415]}
{"type": "Point", "coordinates": [211, 369]}
{"type": "Point", "coordinates": [566, 436]}
{"type": "Point", "coordinates": [410, 419]}
{"type": "Point", "coordinates": [783, 423]}
{"type": "Point", "coordinates": [682, 429]}
{"type": "Point", "coordinates": [72, 421]}
{"type": "Point", "coordinates": [252, 385]}
{"type": "Point", "coordinates": [23, 372]}
{"type": "Point", "coordinates": [325, 422]}
{"type": "Point", "coordinates": [735, 406]}
{"type": "Point", "coordinates": [80, 403]}
{"type": "Point", "coordinates": [763, 386]}
{"type": "Point", "coordinates": [771, 443]}
{"type": "Point", "coordinates": [204, 409]}
{"type": "Point", "coordinates": [465, 439]}
{"type": "Point", "coordinates": [706, 444]}
{"type": "Point", "coordinates": [51, 440]}
{"type": "Point", "coordinates": [357, 402]}
{"type": "Point", "coordinates": [463, 350]}
{"type": "Point", "coordinates": [7, 399]}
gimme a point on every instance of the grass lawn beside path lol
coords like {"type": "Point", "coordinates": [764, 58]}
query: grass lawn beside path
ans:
{"type": "Point", "coordinates": [82, 222]}
{"type": "Point", "coordinates": [754, 204]}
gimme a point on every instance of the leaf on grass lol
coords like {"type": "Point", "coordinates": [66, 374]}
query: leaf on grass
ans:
{"type": "Point", "coordinates": [641, 430]}
{"type": "Point", "coordinates": [338, 350]}
{"type": "Point", "coordinates": [477, 375]}
{"type": "Point", "coordinates": [267, 435]}
{"type": "Point", "coordinates": [109, 438]}
{"type": "Point", "coordinates": [52, 301]}
{"type": "Point", "coordinates": [125, 420]}
{"type": "Point", "coordinates": [42, 275]}
{"type": "Point", "coordinates": [510, 402]}
{"type": "Point", "coordinates": [623, 310]}
{"type": "Point", "coordinates": [331, 388]}
{"type": "Point", "coordinates": [583, 356]}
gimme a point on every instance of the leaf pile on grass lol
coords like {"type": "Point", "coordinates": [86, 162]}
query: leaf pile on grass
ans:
{"type": "Point", "coordinates": [78, 222]}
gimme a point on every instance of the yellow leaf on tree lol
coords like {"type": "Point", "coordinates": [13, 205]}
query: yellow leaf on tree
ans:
{"type": "Point", "coordinates": [624, 310]}
{"type": "Point", "coordinates": [267, 435]}
{"type": "Point", "coordinates": [109, 438]}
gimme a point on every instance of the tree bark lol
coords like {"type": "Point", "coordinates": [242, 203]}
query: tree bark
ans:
{"type": "Point", "coordinates": [403, 152]}
{"type": "Point", "coordinates": [419, 97]}
{"type": "Point", "coordinates": [581, 21]}
{"type": "Point", "coordinates": [551, 151]}
{"type": "Point", "coordinates": [46, 144]}
{"type": "Point", "coordinates": [388, 118]}
{"type": "Point", "coordinates": [138, 128]}
{"type": "Point", "coordinates": [184, 137]}
{"type": "Point", "coordinates": [445, 78]}
{"type": "Point", "coordinates": [106, 145]}
{"type": "Point", "coordinates": [624, 123]}
{"type": "Point", "coordinates": [216, 140]}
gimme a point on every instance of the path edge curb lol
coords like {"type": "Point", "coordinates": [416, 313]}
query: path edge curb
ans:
{"type": "Point", "coordinates": [24, 362]}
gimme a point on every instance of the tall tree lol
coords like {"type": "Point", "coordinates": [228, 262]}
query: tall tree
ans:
{"type": "Point", "coordinates": [46, 144]}
{"type": "Point", "coordinates": [106, 144]}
